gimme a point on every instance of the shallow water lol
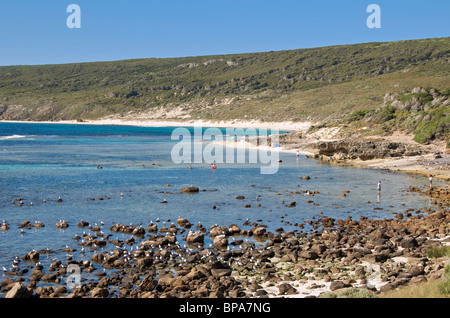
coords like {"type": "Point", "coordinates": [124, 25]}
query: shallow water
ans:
{"type": "Point", "coordinates": [46, 161]}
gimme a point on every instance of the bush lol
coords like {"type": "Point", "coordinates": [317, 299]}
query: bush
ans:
{"type": "Point", "coordinates": [438, 251]}
{"type": "Point", "coordinates": [437, 127]}
{"type": "Point", "coordinates": [444, 286]}
{"type": "Point", "coordinates": [349, 293]}
{"type": "Point", "coordinates": [360, 114]}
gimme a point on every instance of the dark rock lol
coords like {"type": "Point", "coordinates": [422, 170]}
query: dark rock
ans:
{"type": "Point", "coordinates": [190, 190]}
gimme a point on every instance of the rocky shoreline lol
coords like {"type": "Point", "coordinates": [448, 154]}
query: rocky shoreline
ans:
{"type": "Point", "coordinates": [388, 153]}
{"type": "Point", "coordinates": [323, 255]}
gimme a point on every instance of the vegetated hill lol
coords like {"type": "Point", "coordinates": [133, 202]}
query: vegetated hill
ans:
{"type": "Point", "coordinates": [422, 112]}
{"type": "Point", "coordinates": [294, 85]}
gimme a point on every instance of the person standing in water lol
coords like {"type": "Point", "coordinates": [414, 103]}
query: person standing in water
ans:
{"type": "Point", "coordinates": [379, 186]}
{"type": "Point", "coordinates": [430, 181]}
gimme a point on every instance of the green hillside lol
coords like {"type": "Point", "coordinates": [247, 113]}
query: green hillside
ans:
{"type": "Point", "coordinates": [305, 84]}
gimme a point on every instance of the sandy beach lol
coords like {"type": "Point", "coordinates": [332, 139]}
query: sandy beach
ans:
{"type": "Point", "coordinates": [424, 164]}
{"type": "Point", "coordinates": [285, 126]}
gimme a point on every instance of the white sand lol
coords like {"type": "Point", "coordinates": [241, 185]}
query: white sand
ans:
{"type": "Point", "coordinates": [290, 126]}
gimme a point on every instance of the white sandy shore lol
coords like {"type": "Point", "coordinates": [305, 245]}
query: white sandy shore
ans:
{"type": "Point", "coordinates": [415, 165]}
{"type": "Point", "coordinates": [285, 126]}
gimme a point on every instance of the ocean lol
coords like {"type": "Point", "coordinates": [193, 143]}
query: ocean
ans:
{"type": "Point", "coordinates": [121, 174]}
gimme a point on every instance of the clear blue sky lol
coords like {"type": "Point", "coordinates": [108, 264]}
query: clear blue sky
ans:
{"type": "Point", "coordinates": [35, 31]}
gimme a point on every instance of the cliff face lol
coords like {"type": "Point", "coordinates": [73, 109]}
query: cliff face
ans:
{"type": "Point", "coordinates": [366, 149]}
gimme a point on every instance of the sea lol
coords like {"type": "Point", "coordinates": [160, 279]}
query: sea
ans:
{"type": "Point", "coordinates": [109, 174]}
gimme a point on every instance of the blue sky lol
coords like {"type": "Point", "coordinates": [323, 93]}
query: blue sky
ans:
{"type": "Point", "coordinates": [35, 31]}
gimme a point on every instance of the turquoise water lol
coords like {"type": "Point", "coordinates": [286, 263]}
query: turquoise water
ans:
{"type": "Point", "coordinates": [45, 161]}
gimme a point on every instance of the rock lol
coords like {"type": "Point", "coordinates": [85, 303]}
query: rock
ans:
{"type": "Point", "coordinates": [25, 224]}
{"type": "Point", "coordinates": [292, 203]}
{"type": "Point", "coordinates": [337, 284]}
{"type": "Point", "coordinates": [308, 254]}
{"type": "Point", "coordinates": [83, 223]}
{"type": "Point", "coordinates": [195, 237]}
{"type": "Point", "coordinates": [152, 228]}
{"type": "Point", "coordinates": [145, 262]}
{"type": "Point", "coordinates": [99, 292]}
{"type": "Point", "coordinates": [183, 222]}
{"type": "Point", "coordinates": [31, 256]}
{"type": "Point", "coordinates": [220, 272]}
{"type": "Point", "coordinates": [218, 230]}
{"type": "Point", "coordinates": [234, 229]}
{"type": "Point", "coordinates": [416, 270]}
{"type": "Point", "coordinates": [220, 242]}
{"type": "Point", "coordinates": [138, 231]}
{"type": "Point", "coordinates": [259, 231]}
{"type": "Point", "coordinates": [240, 197]}
{"type": "Point", "coordinates": [376, 258]}
{"type": "Point", "coordinates": [19, 291]}
{"type": "Point", "coordinates": [318, 248]}
{"type": "Point", "coordinates": [409, 242]}
{"type": "Point", "coordinates": [190, 190]}
{"type": "Point", "coordinates": [148, 283]}
{"type": "Point", "coordinates": [62, 224]}
{"type": "Point", "coordinates": [286, 289]}
{"type": "Point", "coordinates": [195, 274]}
{"type": "Point", "coordinates": [97, 258]}
{"type": "Point", "coordinates": [366, 149]}
{"type": "Point", "coordinates": [305, 178]}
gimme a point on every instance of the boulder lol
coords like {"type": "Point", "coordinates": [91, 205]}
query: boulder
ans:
{"type": "Point", "coordinates": [97, 258]}
{"type": "Point", "coordinates": [220, 242]}
{"type": "Point", "coordinates": [62, 224]}
{"type": "Point", "coordinates": [99, 292]}
{"type": "Point", "coordinates": [19, 291]}
{"type": "Point", "coordinates": [148, 283]}
{"type": "Point", "coordinates": [308, 254]}
{"type": "Point", "coordinates": [259, 231]}
{"type": "Point", "coordinates": [195, 237]}
{"type": "Point", "coordinates": [183, 222]}
{"type": "Point", "coordinates": [190, 190]}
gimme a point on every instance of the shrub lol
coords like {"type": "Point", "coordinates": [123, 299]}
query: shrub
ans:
{"type": "Point", "coordinates": [349, 293]}
{"type": "Point", "coordinates": [444, 286]}
{"type": "Point", "coordinates": [437, 127]}
{"type": "Point", "coordinates": [359, 114]}
{"type": "Point", "coordinates": [438, 251]}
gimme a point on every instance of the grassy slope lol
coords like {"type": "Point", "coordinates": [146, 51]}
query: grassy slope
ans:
{"type": "Point", "coordinates": [308, 84]}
